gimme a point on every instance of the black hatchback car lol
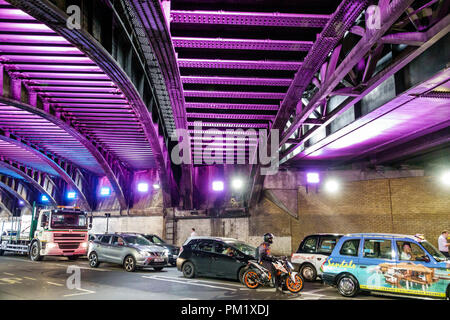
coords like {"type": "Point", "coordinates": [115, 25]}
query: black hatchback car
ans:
{"type": "Point", "coordinates": [214, 257]}
{"type": "Point", "coordinates": [173, 250]}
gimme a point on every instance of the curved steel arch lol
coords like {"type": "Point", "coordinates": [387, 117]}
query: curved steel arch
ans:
{"type": "Point", "coordinates": [8, 210]}
{"type": "Point", "coordinates": [34, 179]}
{"type": "Point", "coordinates": [112, 175]}
{"type": "Point", "coordinates": [53, 163]}
{"type": "Point", "coordinates": [13, 186]}
{"type": "Point", "coordinates": [55, 18]}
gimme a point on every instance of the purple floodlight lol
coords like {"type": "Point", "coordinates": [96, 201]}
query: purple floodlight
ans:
{"type": "Point", "coordinates": [312, 177]}
{"type": "Point", "coordinates": [217, 185]}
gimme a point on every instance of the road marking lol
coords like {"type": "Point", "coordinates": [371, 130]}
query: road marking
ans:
{"type": "Point", "coordinates": [205, 281]}
{"type": "Point", "coordinates": [9, 274]}
{"type": "Point", "coordinates": [85, 291]}
{"type": "Point", "coordinates": [55, 284]}
{"type": "Point", "coordinates": [189, 283]}
{"type": "Point", "coordinates": [29, 278]}
{"type": "Point", "coordinates": [81, 267]}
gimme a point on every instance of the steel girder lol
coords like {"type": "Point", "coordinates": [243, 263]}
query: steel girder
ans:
{"type": "Point", "coordinates": [41, 181]}
{"type": "Point", "coordinates": [17, 188]}
{"type": "Point", "coordinates": [68, 172]}
{"type": "Point", "coordinates": [340, 22]}
{"type": "Point", "coordinates": [117, 175]}
{"type": "Point", "coordinates": [44, 10]}
{"type": "Point", "coordinates": [153, 34]}
{"type": "Point", "coordinates": [430, 37]}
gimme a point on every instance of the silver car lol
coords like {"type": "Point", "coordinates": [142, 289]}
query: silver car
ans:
{"type": "Point", "coordinates": [128, 249]}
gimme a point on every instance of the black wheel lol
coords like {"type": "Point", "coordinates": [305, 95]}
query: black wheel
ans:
{"type": "Point", "coordinates": [2, 252]}
{"type": "Point", "coordinates": [129, 264]}
{"type": "Point", "coordinates": [73, 258]}
{"type": "Point", "coordinates": [188, 270]}
{"type": "Point", "coordinates": [241, 274]}
{"type": "Point", "coordinates": [308, 272]}
{"type": "Point", "coordinates": [158, 268]}
{"type": "Point", "coordinates": [173, 264]}
{"type": "Point", "coordinates": [35, 252]}
{"type": "Point", "coordinates": [93, 260]}
{"type": "Point", "coordinates": [348, 286]}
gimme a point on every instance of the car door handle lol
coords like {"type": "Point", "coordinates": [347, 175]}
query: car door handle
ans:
{"type": "Point", "coordinates": [362, 267]}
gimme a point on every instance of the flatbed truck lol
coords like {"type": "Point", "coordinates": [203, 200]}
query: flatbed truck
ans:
{"type": "Point", "coordinates": [60, 231]}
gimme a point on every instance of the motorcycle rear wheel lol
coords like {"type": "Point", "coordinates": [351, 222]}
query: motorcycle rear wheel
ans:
{"type": "Point", "coordinates": [250, 279]}
{"type": "Point", "coordinates": [296, 286]}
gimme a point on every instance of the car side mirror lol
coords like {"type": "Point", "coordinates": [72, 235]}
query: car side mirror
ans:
{"type": "Point", "coordinates": [90, 226]}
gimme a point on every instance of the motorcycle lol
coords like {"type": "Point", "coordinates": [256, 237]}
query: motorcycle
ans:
{"type": "Point", "coordinates": [256, 275]}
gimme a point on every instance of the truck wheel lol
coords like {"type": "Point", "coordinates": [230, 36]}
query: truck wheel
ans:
{"type": "Point", "coordinates": [35, 254]}
{"type": "Point", "coordinates": [129, 264]}
{"type": "Point", "coordinates": [93, 260]}
{"type": "Point", "coordinates": [308, 272]}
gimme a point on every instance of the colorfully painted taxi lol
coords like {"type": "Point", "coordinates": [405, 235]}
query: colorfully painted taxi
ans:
{"type": "Point", "coordinates": [389, 263]}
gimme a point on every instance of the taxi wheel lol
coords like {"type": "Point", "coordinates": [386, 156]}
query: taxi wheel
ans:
{"type": "Point", "coordinates": [348, 286]}
{"type": "Point", "coordinates": [129, 264]}
{"type": "Point", "coordinates": [188, 270]}
{"type": "Point", "coordinates": [308, 272]}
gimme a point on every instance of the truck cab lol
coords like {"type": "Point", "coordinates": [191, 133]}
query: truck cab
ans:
{"type": "Point", "coordinates": [60, 231]}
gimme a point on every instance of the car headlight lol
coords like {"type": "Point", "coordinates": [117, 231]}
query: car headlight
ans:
{"type": "Point", "coordinates": [166, 252]}
{"type": "Point", "coordinates": [84, 244]}
{"type": "Point", "coordinates": [144, 253]}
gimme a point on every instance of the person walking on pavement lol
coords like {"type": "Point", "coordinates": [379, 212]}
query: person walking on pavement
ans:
{"type": "Point", "coordinates": [193, 233]}
{"type": "Point", "coordinates": [443, 243]}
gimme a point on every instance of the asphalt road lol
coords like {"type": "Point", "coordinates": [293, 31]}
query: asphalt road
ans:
{"type": "Point", "coordinates": [55, 278]}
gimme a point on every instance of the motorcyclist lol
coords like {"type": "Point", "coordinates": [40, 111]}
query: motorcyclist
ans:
{"type": "Point", "coordinates": [266, 259]}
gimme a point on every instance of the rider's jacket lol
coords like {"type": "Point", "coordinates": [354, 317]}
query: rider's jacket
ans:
{"type": "Point", "coordinates": [264, 252]}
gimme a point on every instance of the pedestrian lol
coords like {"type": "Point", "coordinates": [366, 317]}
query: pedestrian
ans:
{"type": "Point", "coordinates": [443, 243]}
{"type": "Point", "coordinates": [193, 233]}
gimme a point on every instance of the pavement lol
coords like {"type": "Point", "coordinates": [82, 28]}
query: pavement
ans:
{"type": "Point", "coordinates": [61, 279]}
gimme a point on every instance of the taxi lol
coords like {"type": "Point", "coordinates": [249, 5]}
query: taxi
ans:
{"type": "Point", "coordinates": [389, 263]}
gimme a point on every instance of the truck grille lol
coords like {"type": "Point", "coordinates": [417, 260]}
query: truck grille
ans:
{"type": "Point", "coordinates": [65, 246]}
{"type": "Point", "coordinates": [69, 236]}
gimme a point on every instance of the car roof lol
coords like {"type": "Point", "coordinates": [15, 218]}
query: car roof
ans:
{"type": "Point", "coordinates": [210, 238]}
{"type": "Point", "coordinates": [325, 234]}
{"type": "Point", "coordinates": [381, 235]}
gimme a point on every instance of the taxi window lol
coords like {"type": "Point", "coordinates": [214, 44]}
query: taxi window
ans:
{"type": "Point", "coordinates": [350, 248]}
{"type": "Point", "coordinates": [327, 244]}
{"type": "Point", "coordinates": [410, 251]}
{"type": "Point", "coordinates": [309, 245]}
{"type": "Point", "coordinates": [377, 249]}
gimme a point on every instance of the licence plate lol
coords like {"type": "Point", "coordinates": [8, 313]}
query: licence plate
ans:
{"type": "Point", "coordinates": [175, 256]}
{"type": "Point", "coordinates": [159, 260]}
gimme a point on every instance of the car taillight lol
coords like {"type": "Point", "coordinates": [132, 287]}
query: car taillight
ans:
{"type": "Point", "coordinates": [181, 250]}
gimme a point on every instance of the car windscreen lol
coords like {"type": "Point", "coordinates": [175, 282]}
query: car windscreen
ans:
{"type": "Point", "coordinates": [68, 220]}
{"type": "Point", "coordinates": [136, 239]}
{"type": "Point", "coordinates": [243, 247]}
{"type": "Point", "coordinates": [437, 255]}
{"type": "Point", "coordinates": [156, 239]}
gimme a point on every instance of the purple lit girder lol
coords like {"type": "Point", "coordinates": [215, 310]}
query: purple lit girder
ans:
{"type": "Point", "coordinates": [236, 81]}
{"type": "Point", "coordinates": [263, 19]}
{"type": "Point", "coordinates": [389, 14]}
{"type": "Point", "coordinates": [148, 19]}
{"type": "Point", "coordinates": [234, 94]}
{"type": "Point", "coordinates": [200, 105]}
{"type": "Point", "coordinates": [70, 174]}
{"type": "Point", "coordinates": [17, 188]}
{"type": "Point", "coordinates": [114, 73]}
{"type": "Point", "coordinates": [241, 44]}
{"type": "Point", "coordinates": [432, 35]}
{"type": "Point", "coordinates": [238, 64]}
{"type": "Point", "coordinates": [87, 149]}
{"type": "Point", "coordinates": [231, 116]}
{"type": "Point", "coordinates": [341, 21]}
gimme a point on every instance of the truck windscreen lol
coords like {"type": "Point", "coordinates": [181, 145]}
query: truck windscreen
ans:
{"type": "Point", "coordinates": [68, 220]}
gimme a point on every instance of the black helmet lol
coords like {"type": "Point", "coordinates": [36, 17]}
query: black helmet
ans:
{"type": "Point", "coordinates": [268, 237]}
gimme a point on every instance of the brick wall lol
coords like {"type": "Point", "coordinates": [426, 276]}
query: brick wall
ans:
{"type": "Point", "coordinates": [403, 205]}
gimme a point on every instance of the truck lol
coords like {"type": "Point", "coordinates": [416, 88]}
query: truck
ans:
{"type": "Point", "coordinates": [51, 231]}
